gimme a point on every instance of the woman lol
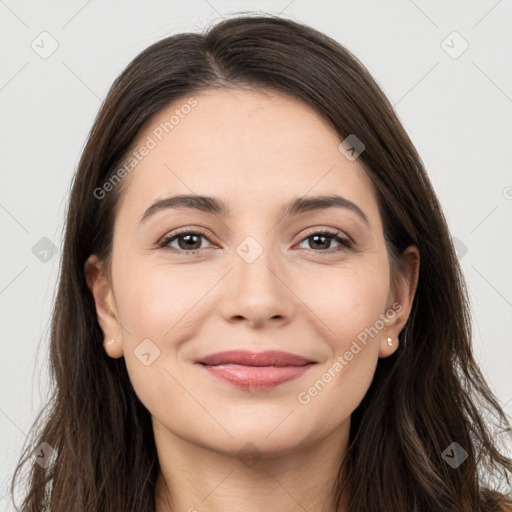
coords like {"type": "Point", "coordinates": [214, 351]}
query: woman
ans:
{"type": "Point", "coordinates": [260, 307]}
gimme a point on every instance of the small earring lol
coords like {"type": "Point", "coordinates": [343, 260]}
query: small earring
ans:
{"type": "Point", "coordinates": [109, 342]}
{"type": "Point", "coordinates": [390, 342]}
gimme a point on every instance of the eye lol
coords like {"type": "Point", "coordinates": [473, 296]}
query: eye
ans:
{"type": "Point", "coordinates": [323, 240]}
{"type": "Point", "coordinates": [187, 240]}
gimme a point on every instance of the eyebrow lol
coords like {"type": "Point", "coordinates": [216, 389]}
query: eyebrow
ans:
{"type": "Point", "coordinates": [216, 206]}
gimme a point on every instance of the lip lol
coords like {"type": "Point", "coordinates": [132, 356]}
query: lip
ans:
{"type": "Point", "coordinates": [247, 358]}
{"type": "Point", "coordinates": [255, 371]}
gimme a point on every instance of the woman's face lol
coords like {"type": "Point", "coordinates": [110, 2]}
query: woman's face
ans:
{"type": "Point", "coordinates": [252, 275]}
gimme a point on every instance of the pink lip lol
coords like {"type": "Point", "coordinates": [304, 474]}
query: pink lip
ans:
{"type": "Point", "coordinates": [256, 371]}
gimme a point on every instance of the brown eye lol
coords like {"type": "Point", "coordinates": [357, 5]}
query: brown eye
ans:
{"type": "Point", "coordinates": [322, 241]}
{"type": "Point", "coordinates": [187, 241]}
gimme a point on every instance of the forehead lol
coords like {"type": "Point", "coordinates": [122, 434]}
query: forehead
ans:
{"type": "Point", "coordinates": [248, 147]}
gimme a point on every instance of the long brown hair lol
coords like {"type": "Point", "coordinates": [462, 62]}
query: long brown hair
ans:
{"type": "Point", "coordinates": [425, 397]}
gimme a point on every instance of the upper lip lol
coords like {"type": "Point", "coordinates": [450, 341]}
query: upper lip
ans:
{"type": "Point", "coordinates": [247, 358]}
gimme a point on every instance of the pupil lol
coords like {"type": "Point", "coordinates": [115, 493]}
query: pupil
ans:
{"type": "Point", "coordinates": [188, 238]}
{"type": "Point", "coordinates": [315, 237]}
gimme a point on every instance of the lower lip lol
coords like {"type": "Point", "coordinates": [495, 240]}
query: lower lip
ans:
{"type": "Point", "coordinates": [256, 378]}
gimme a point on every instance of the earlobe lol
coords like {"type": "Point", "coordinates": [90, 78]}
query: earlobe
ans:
{"type": "Point", "coordinates": [101, 291]}
{"type": "Point", "coordinates": [388, 345]}
{"type": "Point", "coordinates": [113, 348]}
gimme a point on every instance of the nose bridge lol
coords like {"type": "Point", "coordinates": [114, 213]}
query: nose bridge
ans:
{"type": "Point", "coordinates": [255, 264]}
{"type": "Point", "coordinates": [255, 286]}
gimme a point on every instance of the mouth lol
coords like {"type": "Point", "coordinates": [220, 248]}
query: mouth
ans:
{"type": "Point", "coordinates": [256, 371]}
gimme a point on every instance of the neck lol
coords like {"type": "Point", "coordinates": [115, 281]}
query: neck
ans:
{"type": "Point", "coordinates": [194, 478]}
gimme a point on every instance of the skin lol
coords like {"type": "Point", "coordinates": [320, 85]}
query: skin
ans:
{"type": "Point", "coordinates": [255, 150]}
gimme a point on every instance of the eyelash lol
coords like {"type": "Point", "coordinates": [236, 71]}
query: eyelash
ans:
{"type": "Point", "coordinates": [344, 242]}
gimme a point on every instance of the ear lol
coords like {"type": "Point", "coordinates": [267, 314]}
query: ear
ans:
{"type": "Point", "coordinates": [400, 300]}
{"type": "Point", "coordinates": [101, 290]}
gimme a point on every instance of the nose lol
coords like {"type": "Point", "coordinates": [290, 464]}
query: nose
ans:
{"type": "Point", "coordinates": [257, 291]}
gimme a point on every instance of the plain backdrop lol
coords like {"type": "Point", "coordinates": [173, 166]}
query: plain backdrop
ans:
{"type": "Point", "coordinates": [446, 67]}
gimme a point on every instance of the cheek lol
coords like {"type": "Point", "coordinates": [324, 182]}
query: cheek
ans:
{"type": "Point", "coordinates": [351, 308]}
{"type": "Point", "coordinates": [159, 304]}
{"type": "Point", "coordinates": [346, 300]}
{"type": "Point", "coordinates": [158, 301]}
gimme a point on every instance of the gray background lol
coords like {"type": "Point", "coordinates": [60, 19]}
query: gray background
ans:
{"type": "Point", "coordinates": [456, 108]}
